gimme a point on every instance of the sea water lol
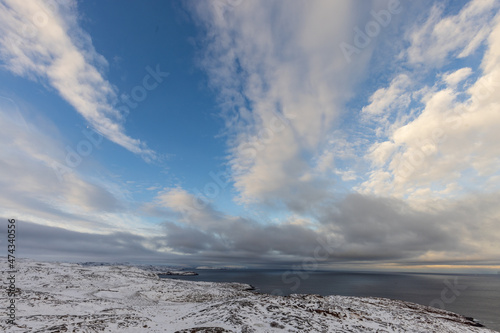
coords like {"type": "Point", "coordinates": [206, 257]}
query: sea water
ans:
{"type": "Point", "coordinates": [476, 296]}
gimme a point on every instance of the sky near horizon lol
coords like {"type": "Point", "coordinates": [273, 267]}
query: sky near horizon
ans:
{"type": "Point", "coordinates": [318, 134]}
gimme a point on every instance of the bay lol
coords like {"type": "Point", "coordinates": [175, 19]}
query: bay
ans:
{"type": "Point", "coordinates": [476, 296]}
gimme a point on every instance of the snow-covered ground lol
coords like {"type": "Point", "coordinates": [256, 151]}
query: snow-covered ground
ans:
{"type": "Point", "coordinates": [60, 297]}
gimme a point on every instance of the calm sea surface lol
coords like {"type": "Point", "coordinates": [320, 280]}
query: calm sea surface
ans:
{"type": "Point", "coordinates": [476, 296]}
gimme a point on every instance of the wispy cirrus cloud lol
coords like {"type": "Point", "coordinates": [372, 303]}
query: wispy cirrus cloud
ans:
{"type": "Point", "coordinates": [41, 40]}
{"type": "Point", "coordinates": [280, 70]}
{"type": "Point", "coordinates": [31, 190]}
{"type": "Point", "coordinates": [456, 35]}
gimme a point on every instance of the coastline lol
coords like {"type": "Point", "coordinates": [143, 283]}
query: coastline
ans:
{"type": "Point", "coordinates": [62, 296]}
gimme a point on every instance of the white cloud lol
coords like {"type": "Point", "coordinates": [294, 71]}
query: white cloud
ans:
{"type": "Point", "coordinates": [283, 60]}
{"type": "Point", "coordinates": [454, 78]}
{"type": "Point", "coordinates": [452, 141]}
{"type": "Point", "coordinates": [385, 100]}
{"type": "Point", "coordinates": [388, 107]}
{"type": "Point", "coordinates": [457, 35]}
{"type": "Point", "coordinates": [41, 40]}
{"type": "Point", "coordinates": [380, 152]}
{"type": "Point", "coordinates": [347, 175]}
{"type": "Point", "coordinates": [32, 190]}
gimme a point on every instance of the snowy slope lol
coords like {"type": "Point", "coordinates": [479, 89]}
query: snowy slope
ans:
{"type": "Point", "coordinates": [59, 297]}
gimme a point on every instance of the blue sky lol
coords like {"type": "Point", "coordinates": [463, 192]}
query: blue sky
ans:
{"type": "Point", "coordinates": [253, 133]}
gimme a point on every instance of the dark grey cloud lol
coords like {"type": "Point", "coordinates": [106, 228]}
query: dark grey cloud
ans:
{"type": "Point", "coordinates": [358, 230]}
{"type": "Point", "coordinates": [188, 239]}
{"type": "Point", "coordinates": [374, 227]}
{"type": "Point", "coordinates": [44, 242]}
{"type": "Point", "coordinates": [242, 236]}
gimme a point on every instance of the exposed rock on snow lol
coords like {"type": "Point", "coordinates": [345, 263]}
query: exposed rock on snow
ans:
{"type": "Point", "coordinates": [57, 297]}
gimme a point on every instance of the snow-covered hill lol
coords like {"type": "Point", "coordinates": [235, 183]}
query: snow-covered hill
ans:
{"type": "Point", "coordinates": [59, 297]}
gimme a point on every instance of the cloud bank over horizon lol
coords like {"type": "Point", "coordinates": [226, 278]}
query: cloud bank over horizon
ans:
{"type": "Point", "coordinates": [354, 136]}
